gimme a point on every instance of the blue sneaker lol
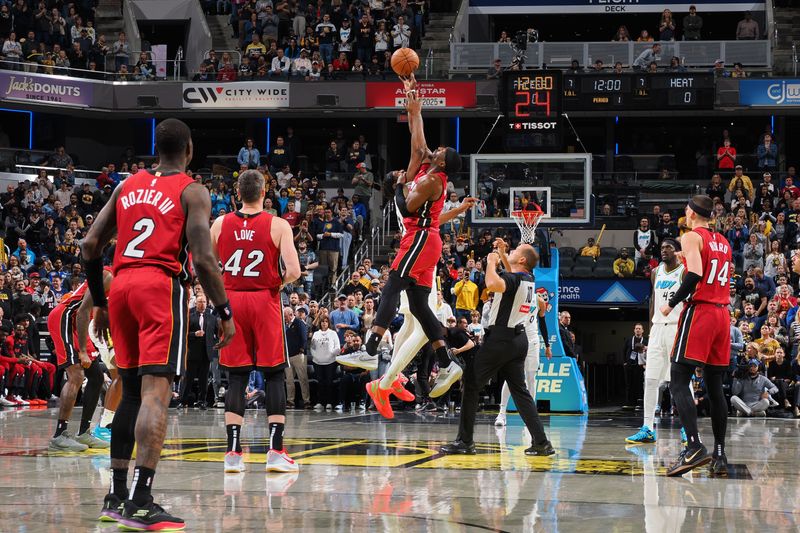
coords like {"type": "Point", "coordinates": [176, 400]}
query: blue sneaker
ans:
{"type": "Point", "coordinates": [103, 434]}
{"type": "Point", "coordinates": [684, 440]}
{"type": "Point", "coordinates": [644, 436]}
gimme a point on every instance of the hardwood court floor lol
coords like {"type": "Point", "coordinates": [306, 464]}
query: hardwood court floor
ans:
{"type": "Point", "coordinates": [360, 473]}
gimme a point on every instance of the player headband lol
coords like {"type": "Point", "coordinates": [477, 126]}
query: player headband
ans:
{"type": "Point", "coordinates": [702, 211]}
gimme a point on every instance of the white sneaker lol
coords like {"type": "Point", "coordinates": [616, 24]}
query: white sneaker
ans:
{"type": "Point", "coordinates": [446, 378]}
{"type": "Point", "coordinates": [500, 421]}
{"type": "Point", "coordinates": [359, 359]}
{"type": "Point", "coordinates": [319, 407]}
{"type": "Point", "coordinates": [329, 407]}
{"type": "Point", "coordinates": [6, 403]}
{"type": "Point", "coordinates": [20, 400]}
{"type": "Point", "coordinates": [339, 408]}
{"type": "Point", "coordinates": [221, 392]}
{"type": "Point", "coordinates": [281, 462]}
{"type": "Point", "coordinates": [234, 463]}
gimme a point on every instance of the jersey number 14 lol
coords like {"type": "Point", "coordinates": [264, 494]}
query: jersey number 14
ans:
{"type": "Point", "coordinates": [722, 276]}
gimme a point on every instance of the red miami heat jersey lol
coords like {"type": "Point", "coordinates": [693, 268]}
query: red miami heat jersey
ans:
{"type": "Point", "coordinates": [151, 223]}
{"type": "Point", "coordinates": [249, 256]}
{"type": "Point", "coordinates": [427, 217]}
{"type": "Point", "coordinates": [76, 296]}
{"type": "Point", "coordinates": [714, 287]}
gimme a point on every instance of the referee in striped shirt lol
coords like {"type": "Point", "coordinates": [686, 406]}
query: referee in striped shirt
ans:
{"type": "Point", "coordinates": [504, 350]}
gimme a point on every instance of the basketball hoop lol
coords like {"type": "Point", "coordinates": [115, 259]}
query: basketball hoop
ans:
{"type": "Point", "coordinates": [527, 222]}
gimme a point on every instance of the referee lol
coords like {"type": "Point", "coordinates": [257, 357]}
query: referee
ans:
{"type": "Point", "coordinates": [504, 350]}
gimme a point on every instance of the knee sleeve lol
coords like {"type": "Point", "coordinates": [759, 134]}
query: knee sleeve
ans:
{"type": "Point", "coordinates": [390, 299]}
{"type": "Point", "coordinates": [124, 425]}
{"type": "Point", "coordinates": [276, 393]}
{"type": "Point", "coordinates": [418, 302]}
{"type": "Point", "coordinates": [234, 398]}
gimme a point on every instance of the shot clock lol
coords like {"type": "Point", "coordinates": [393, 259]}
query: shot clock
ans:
{"type": "Point", "coordinates": [531, 100]}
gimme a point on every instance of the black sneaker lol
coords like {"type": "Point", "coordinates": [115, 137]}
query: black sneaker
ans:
{"type": "Point", "coordinates": [542, 449]}
{"type": "Point", "coordinates": [112, 509]}
{"type": "Point", "coordinates": [719, 465]}
{"type": "Point", "coordinates": [148, 517]}
{"type": "Point", "coordinates": [689, 459]}
{"type": "Point", "coordinates": [458, 447]}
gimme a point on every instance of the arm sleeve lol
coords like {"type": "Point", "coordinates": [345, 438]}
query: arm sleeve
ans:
{"type": "Point", "coordinates": [686, 288]}
{"type": "Point", "coordinates": [400, 199]}
{"type": "Point", "coordinates": [543, 330]}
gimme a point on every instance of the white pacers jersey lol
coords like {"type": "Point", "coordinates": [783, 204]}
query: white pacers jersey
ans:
{"type": "Point", "coordinates": [664, 287]}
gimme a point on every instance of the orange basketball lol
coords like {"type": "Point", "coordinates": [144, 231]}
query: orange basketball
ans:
{"type": "Point", "coordinates": [405, 61]}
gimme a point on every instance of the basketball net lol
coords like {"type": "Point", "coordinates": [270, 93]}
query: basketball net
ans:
{"type": "Point", "coordinates": [527, 222]}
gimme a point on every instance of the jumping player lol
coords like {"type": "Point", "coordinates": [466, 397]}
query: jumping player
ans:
{"type": "Point", "coordinates": [252, 245]}
{"type": "Point", "coordinates": [703, 338]}
{"type": "Point", "coordinates": [63, 325]}
{"type": "Point", "coordinates": [533, 325]}
{"type": "Point", "coordinates": [666, 280]}
{"type": "Point", "coordinates": [420, 202]}
{"type": "Point", "coordinates": [159, 215]}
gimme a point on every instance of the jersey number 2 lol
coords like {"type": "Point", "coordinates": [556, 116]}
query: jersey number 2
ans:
{"type": "Point", "coordinates": [232, 265]}
{"type": "Point", "coordinates": [145, 227]}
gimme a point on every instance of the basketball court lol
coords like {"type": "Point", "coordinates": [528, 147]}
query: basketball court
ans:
{"type": "Point", "coordinates": [362, 473]}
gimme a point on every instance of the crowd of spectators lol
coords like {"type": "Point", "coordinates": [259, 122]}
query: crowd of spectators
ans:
{"type": "Point", "coordinates": [61, 39]}
{"type": "Point", "coordinates": [328, 41]}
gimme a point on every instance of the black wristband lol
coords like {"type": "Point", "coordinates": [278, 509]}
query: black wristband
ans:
{"type": "Point", "coordinates": [543, 331]}
{"type": "Point", "coordinates": [94, 279]}
{"type": "Point", "coordinates": [685, 290]}
{"type": "Point", "coordinates": [400, 200]}
{"type": "Point", "coordinates": [224, 311]}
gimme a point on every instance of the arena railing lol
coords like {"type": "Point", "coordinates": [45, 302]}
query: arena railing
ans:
{"type": "Point", "coordinates": [470, 56]}
{"type": "Point", "coordinates": [34, 67]}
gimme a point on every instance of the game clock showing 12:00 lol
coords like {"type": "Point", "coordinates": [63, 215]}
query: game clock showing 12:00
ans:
{"type": "Point", "coordinates": [531, 99]}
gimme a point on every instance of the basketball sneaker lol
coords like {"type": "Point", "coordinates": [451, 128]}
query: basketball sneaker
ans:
{"type": "Point", "coordinates": [500, 421]}
{"type": "Point", "coordinates": [542, 449]}
{"type": "Point", "coordinates": [91, 441]}
{"type": "Point", "coordinates": [446, 378]}
{"type": "Point", "coordinates": [719, 463]}
{"type": "Point", "coordinates": [279, 461]}
{"type": "Point", "coordinates": [458, 447]}
{"type": "Point", "coordinates": [645, 435]}
{"type": "Point", "coordinates": [360, 359]}
{"type": "Point", "coordinates": [112, 509]}
{"type": "Point", "coordinates": [400, 391]}
{"type": "Point", "coordinates": [689, 459]}
{"type": "Point", "coordinates": [5, 402]}
{"type": "Point", "coordinates": [234, 463]}
{"type": "Point", "coordinates": [380, 398]}
{"type": "Point", "coordinates": [66, 443]}
{"type": "Point", "coordinates": [148, 517]}
{"type": "Point", "coordinates": [103, 434]}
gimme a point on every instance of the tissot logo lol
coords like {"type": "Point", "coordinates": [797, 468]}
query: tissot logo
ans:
{"type": "Point", "coordinates": [200, 95]}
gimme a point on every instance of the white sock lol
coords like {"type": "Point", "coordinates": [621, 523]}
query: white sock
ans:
{"type": "Point", "coordinates": [650, 401]}
{"type": "Point", "coordinates": [505, 394]}
{"type": "Point", "coordinates": [403, 355]}
{"type": "Point", "coordinates": [107, 418]}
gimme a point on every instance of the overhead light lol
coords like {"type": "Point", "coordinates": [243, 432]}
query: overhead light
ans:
{"type": "Point", "coordinates": [613, 308]}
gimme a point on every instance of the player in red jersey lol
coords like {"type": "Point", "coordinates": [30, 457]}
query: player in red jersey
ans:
{"type": "Point", "coordinates": [251, 244]}
{"type": "Point", "coordinates": [159, 216]}
{"type": "Point", "coordinates": [62, 326]}
{"type": "Point", "coordinates": [703, 337]}
{"type": "Point", "coordinates": [420, 202]}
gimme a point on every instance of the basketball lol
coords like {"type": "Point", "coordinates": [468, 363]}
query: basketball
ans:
{"type": "Point", "coordinates": [405, 61]}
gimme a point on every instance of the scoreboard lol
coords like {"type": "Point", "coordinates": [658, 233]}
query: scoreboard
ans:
{"type": "Point", "coordinates": [534, 100]}
{"type": "Point", "coordinates": [632, 91]}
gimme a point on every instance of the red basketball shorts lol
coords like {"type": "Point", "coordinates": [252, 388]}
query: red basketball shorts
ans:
{"type": "Point", "coordinates": [704, 336]}
{"type": "Point", "coordinates": [149, 320]}
{"type": "Point", "coordinates": [61, 326]}
{"type": "Point", "coordinates": [419, 252]}
{"type": "Point", "coordinates": [260, 340]}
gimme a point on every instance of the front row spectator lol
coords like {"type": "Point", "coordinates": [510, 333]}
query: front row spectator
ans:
{"type": "Point", "coordinates": [751, 394]}
{"type": "Point", "coordinates": [624, 265]}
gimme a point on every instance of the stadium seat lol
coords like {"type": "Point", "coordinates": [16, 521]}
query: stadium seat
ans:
{"type": "Point", "coordinates": [603, 271]}
{"type": "Point", "coordinates": [582, 271]}
{"type": "Point", "coordinates": [609, 251]}
{"type": "Point", "coordinates": [565, 271]}
{"type": "Point", "coordinates": [567, 251]}
{"type": "Point", "coordinates": [583, 261]}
